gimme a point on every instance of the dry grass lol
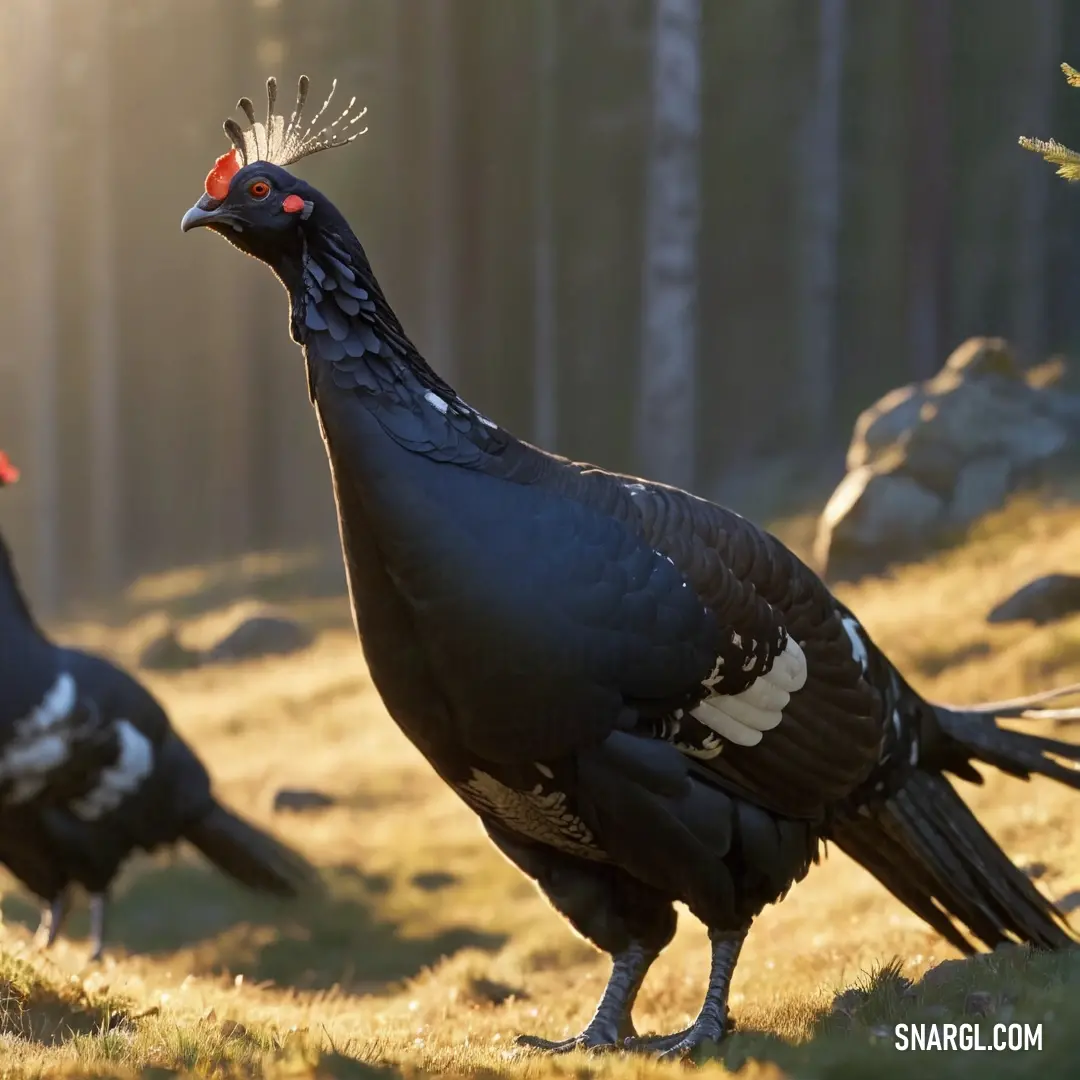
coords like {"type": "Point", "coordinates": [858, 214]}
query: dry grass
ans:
{"type": "Point", "coordinates": [429, 952]}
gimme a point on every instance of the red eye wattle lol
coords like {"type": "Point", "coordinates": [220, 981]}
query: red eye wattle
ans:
{"type": "Point", "coordinates": [8, 473]}
{"type": "Point", "coordinates": [259, 189]}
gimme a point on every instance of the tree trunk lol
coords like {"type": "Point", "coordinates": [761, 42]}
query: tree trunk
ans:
{"type": "Point", "coordinates": [31, 176]}
{"type": "Point", "coordinates": [238, 392]}
{"type": "Point", "coordinates": [442, 203]}
{"type": "Point", "coordinates": [818, 190]}
{"type": "Point", "coordinates": [665, 437]}
{"type": "Point", "coordinates": [1030, 307]}
{"type": "Point", "coordinates": [928, 210]}
{"type": "Point", "coordinates": [545, 357]}
{"type": "Point", "coordinates": [103, 345]}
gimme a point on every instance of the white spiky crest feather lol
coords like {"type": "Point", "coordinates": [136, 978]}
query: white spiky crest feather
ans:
{"type": "Point", "coordinates": [278, 142]}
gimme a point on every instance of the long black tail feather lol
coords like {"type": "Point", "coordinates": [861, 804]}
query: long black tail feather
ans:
{"type": "Point", "coordinates": [924, 844]}
{"type": "Point", "coordinates": [251, 856]}
{"type": "Point", "coordinates": [976, 734]}
{"type": "Point", "coordinates": [928, 849]}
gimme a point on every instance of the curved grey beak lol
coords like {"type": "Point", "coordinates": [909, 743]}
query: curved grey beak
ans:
{"type": "Point", "coordinates": [203, 212]}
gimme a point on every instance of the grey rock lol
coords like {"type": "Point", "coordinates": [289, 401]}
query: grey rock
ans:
{"type": "Point", "coordinates": [300, 800]}
{"type": "Point", "coordinates": [261, 635]}
{"type": "Point", "coordinates": [1044, 600]}
{"type": "Point", "coordinates": [984, 356]}
{"type": "Point", "coordinates": [166, 652]}
{"type": "Point", "coordinates": [886, 512]}
{"type": "Point", "coordinates": [931, 458]}
{"type": "Point", "coordinates": [979, 1003]}
{"type": "Point", "coordinates": [880, 426]}
{"type": "Point", "coordinates": [433, 880]}
{"type": "Point", "coordinates": [981, 486]}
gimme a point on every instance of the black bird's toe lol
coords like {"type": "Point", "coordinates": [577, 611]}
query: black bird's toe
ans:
{"type": "Point", "coordinates": [680, 1044]}
{"type": "Point", "coordinates": [596, 1038]}
{"type": "Point", "coordinates": [53, 917]}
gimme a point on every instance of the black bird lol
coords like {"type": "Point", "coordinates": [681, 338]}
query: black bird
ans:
{"type": "Point", "coordinates": [91, 770]}
{"type": "Point", "coordinates": [644, 697]}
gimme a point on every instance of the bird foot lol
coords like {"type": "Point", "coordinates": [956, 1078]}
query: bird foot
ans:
{"type": "Point", "coordinates": [681, 1044]}
{"type": "Point", "coordinates": [595, 1039]}
{"type": "Point", "coordinates": [53, 917]}
{"type": "Point", "coordinates": [99, 906]}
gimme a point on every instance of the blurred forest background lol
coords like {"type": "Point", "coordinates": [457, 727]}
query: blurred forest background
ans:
{"type": "Point", "coordinates": [690, 239]}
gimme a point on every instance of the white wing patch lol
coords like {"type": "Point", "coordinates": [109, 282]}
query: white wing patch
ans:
{"type": "Point", "coordinates": [133, 765]}
{"type": "Point", "coordinates": [742, 718]}
{"type": "Point", "coordinates": [38, 747]}
{"type": "Point", "coordinates": [858, 646]}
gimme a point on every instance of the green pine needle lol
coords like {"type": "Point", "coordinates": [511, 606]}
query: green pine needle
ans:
{"type": "Point", "coordinates": [1067, 161]}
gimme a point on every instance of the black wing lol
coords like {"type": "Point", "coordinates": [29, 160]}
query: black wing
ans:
{"type": "Point", "coordinates": [87, 744]}
{"type": "Point", "coordinates": [830, 731]}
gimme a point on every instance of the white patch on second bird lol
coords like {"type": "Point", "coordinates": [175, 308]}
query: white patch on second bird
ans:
{"type": "Point", "coordinates": [858, 646]}
{"type": "Point", "coordinates": [743, 718]}
{"type": "Point", "coordinates": [133, 765]}
{"type": "Point", "coordinates": [38, 747]}
{"type": "Point", "coordinates": [436, 402]}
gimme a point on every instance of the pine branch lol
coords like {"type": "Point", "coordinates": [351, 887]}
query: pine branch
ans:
{"type": "Point", "coordinates": [1067, 161]}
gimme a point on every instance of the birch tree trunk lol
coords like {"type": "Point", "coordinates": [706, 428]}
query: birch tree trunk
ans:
{"type": "Point", "coordinates": [545, 358]}
{"type": "Point", "coordinates": [237, 394]}
{"type": "Point", "coordinates": [817, 181]}
{"type": "Point", "coordinates": [103, 345]}
{"type": "Point", "coordinates": [30, 174]}
{"type": "Point", "coordinates": [665, 435]}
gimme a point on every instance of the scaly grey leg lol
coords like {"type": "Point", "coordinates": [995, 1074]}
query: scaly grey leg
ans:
{"type": "Point", "coordinates": [98, 911]}
{"type": "Point", "coordinates": [711, 1022]}
{"type": "Point", "coordinates": [53, 917]}
{"type": "Point", "coordinates": [611, 1023]}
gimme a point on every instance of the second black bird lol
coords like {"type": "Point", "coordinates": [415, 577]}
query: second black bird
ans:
{"type": "Point", "coordinates": [91, 770]}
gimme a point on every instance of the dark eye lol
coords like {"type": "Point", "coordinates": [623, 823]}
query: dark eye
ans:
{"type": "Point", "coordinates": [259, 189]}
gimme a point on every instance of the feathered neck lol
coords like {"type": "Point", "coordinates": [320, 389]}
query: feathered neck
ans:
{"type": "Point", "coordinates": [13, 602]}
{"type": "Point", "coordinates": [342, 319]}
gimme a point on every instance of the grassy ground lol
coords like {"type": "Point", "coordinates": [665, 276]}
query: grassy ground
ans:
{"type": "Point", "coordinates": [428, 952]}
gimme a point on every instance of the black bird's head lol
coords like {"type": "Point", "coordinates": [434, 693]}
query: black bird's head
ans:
{"type": "Point", "coordinates": [250, 197]}
{"type": "Point", "coordinates": [260, 208]}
